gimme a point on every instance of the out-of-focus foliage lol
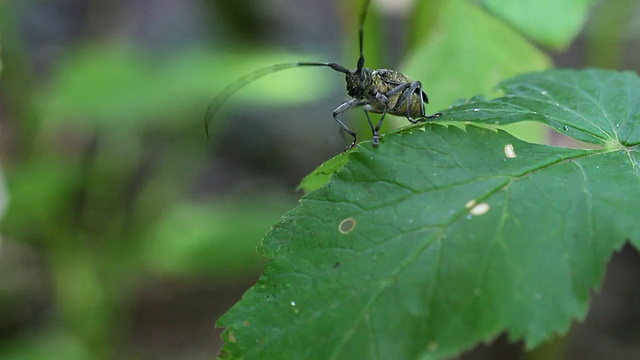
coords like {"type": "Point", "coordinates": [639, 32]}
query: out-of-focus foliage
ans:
{"type": "Point", "coordinates": [216, 239]}
{"type": "Point", "coordinates": [467, 52]}
{"type": "Point", "coordinates": [113, 184]}
{"type": "Point", "coordinates": [106, 188]}
{"type": "Point", "coordinates": [45, 346]}
{"type": "Point", "coordinates": [109, 85]}
{"type": "Point", "coordinates": [562, 19]}
{"type": "Point", "coordinates": [4, 196]}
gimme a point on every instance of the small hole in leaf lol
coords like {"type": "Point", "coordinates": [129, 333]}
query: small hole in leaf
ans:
{"type": "Point", "coordinates": [347, 225]}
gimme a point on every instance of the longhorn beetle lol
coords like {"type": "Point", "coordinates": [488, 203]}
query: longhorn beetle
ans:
{"type": "Point", "coordinates": [380, 91]}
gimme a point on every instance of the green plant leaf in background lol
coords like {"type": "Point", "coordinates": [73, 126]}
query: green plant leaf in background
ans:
{"type": "Point", "coordinates": [41, 346]}
{"type": "Point", "coordinates": [39, 190]}
{"type": "Point", "coordinates": [322, 173]}
{"type": "Point", "coordinates": [553, 23]}
{"type": "Point", "coordinates": [466, 52]}
{"type": "Point", "coordinates": [4, 196]}
{"type": "Point", "coordinates": [443, 237]}
{"type": "Point", "coordinates": [103, 86]}
{"type": "Point", "coordinates": [211, 239]}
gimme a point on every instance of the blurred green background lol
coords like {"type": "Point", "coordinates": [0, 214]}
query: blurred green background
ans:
{"type": "Point", "coordinates": [128, 232]}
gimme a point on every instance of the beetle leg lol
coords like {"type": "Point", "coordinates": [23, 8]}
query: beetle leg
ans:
{"type": "Point", "coordinates": [408, 94]}
{"type": "Point", "coordinates": [398, 89]}
{"type": "Point", "coordinates": [375, 129]}
{"type": "Point", "coordinates": [408, 91]}
{"type": "Point", "coordinates": [342, 108]}
{"type": "Point", "coordinates": [422, 101]}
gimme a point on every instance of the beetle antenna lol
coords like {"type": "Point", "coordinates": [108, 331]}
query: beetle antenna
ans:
{"type": "Point", "coordinates": [234, 87]}
{"type": "Point", "coordinates": [363, 16]}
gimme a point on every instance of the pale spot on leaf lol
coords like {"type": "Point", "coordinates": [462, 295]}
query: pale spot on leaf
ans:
{"type": "Point", "coordinates": [347, 225]}
{"type": "Point", "coordinates": [479, 209]}
{"type": "Point", "coordinates": [509, 151]}
{"type": "Point", "coordinates": [471, 203]}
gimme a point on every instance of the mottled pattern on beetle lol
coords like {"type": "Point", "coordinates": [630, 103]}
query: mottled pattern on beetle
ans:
{"type": "Point", "coordinates": [384, 80]}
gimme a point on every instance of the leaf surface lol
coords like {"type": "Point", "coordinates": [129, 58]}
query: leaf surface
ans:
{"type": "Point", "coordinates": [466, 52]}
{"type": "Point", "coordinates": [443, 237]}
{"type": "Point", "coordinates": [553, 23]}
{"type": "Point", "coordinates": [594, 106]}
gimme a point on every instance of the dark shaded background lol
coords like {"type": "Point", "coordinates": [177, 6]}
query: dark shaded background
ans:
{"type": "Point", "coordinates": [129, 233]}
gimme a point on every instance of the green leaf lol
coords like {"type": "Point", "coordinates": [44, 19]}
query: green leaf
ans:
{"type": "Point", "coordinates": [466, 52]}
{"type": "Point", "coordinates": [553, 23]}
{"type": "Point", "coordinates": [322, 174]}
{"type": "Point", "coordinates": [442, 237]}
{"type": "Point", "coordinates": [40, 346]}
{"type": "Point", "coordinates": [594, 106]}
{"type": "Point", "coordinates": [43, 187]}
{"type": "Point", "coordinates": [121, 88]}
{"type": "Point", "coordinates": [4, 195]}
{"type": "Point", "coordinates": [217, 239]}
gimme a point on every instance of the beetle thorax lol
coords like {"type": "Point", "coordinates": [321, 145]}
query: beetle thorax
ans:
{"type": "Point", "coordinates": [358, 82]}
